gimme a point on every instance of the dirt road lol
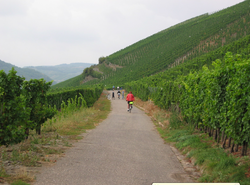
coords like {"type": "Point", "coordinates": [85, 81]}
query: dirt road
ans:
{"type": "Point", "coordinates": [123, 149]}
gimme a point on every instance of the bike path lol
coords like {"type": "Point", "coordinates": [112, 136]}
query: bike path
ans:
{"type": "Point", "coordinates": [124, 149]}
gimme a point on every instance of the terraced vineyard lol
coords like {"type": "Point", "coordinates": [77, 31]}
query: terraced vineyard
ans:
{"type": "Point", "coordinates": [176, 45]}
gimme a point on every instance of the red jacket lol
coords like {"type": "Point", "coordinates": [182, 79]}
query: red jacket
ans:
{"type": "Point", "coordinates": [130, 97]}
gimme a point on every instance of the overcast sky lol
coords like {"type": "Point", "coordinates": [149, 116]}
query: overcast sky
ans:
{"type": "Point", "coordinates": [52, 32]}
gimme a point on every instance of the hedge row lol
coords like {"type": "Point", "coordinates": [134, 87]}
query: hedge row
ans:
{"type": "Point", "coordinates": [90, 95]}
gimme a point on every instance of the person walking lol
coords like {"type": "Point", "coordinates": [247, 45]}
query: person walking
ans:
{"type": "Point", "coordinates": [123, 94]}
{"type": "Point", "coordinates": [119, 94]}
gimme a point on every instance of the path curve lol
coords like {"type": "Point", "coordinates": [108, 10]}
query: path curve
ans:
{"type": "Point", "coordinates": [124, 149]}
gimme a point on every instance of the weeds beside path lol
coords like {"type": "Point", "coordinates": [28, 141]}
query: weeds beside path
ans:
{"type": "Point", "coordinates": [19, 163]}
{"type": "Point", "coordinates": [215, 163]}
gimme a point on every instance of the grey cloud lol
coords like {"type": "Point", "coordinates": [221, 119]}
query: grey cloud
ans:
{"type": "Point", "coordinates": [14, 7]}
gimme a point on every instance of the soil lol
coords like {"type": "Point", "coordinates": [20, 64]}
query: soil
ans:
{"type": "Point", "coordinates": [113, 66]}
{"type": "Point", "coordinates": [23, 161]}
{"type": "Point", "coordinates": [97, 69]}
{"type": "Point", "coordinates": [88, 78]}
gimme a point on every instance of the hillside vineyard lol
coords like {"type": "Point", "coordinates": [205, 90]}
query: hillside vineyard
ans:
{"type": "Point", "coordinates": [198, 68]}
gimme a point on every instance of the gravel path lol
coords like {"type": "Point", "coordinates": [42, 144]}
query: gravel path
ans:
{"type": "Point", "coordinates": [123, 149]}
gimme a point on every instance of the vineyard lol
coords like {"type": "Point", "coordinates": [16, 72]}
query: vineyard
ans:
{"type": "Point", "coordinates": [179, 44]}
{"type": "Point", "coordinates": [215, 100]}
{"type": "Point", "coordinates": [90, 95]}
{"type": "Point", "coordinates": [197, 71]}
{"type": "Point", "coordinates": [173, 67]}
{"type": "Point", "coordinates": [26, 105]}
{"type": "Point", "coordinates": [207, 84]}
{"type": "Point", "coordinates": [198, 68]}
{"type": "Point", "coordinates": [241, 46]}
{"type": "Point", "coordinates": [172, 47]}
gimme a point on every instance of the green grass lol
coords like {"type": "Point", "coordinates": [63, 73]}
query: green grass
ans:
{"type": "Point", "coordinates": [218, 165]}
{"type": "Point", "coordinates": [75, 122]}
{"type": "Point", "coordinates": [3, 172]}
{"type": "Point", "coordinates": [19, 182]}
{"type": "Point", "coordinates": [175, 121]}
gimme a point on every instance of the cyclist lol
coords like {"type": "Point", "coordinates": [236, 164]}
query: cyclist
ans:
{"type": "Point", "coordinates": [130, 98]}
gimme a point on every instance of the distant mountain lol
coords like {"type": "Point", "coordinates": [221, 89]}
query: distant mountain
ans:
{"type": "Point", "coordinates": [24, 72]}
{"type": "Point", "coordinates": [61, 72]}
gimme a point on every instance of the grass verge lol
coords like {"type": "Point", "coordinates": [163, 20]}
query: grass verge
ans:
{"type": "Point", "coordinates": [19, 163]}
{"type": "Point", "coordinates": [215, 163]}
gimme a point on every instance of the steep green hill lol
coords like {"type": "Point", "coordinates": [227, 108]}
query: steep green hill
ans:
{"type": "Point", "coordinates": [175, 45]}
{"type": "Point", "coordinates": [24, 72]}
{"type": "Point", "coordinates": [149, 85]}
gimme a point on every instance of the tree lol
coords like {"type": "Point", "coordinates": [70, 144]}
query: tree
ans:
{"type": "Point", "coordinates": [13, 113]}
{"type": "Point", "coordinates": [35, 93]}
{"type": "Point", "coordinates": [102, 59]}
{"type": "Point", "coordinates": [89, 71]}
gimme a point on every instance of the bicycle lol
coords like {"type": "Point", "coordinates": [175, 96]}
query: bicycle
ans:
{"type": "Point", "coordinates": [130, 106]}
